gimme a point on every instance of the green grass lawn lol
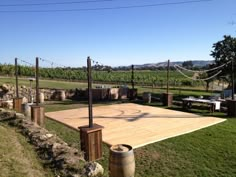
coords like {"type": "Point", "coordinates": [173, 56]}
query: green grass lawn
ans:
{"type": "Point", "coordinates": [207, 152]}
{"type": "Point", "coordinates": [17, 156]}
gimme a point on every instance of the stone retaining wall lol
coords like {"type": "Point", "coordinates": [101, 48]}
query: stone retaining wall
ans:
{"type": "Point", "coordinates": [67, 161]}
{"type": "Point", "coordinates": [8, 92]}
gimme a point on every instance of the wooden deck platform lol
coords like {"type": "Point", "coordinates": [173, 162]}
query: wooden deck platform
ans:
{"type": "Point", "coordinates": [134, 124]}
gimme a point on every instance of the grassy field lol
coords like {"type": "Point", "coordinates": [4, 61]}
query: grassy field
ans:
{"type": "Point", "coordinates": [207, 152]}
{"type": "Point", "coordinates": [17, 156]}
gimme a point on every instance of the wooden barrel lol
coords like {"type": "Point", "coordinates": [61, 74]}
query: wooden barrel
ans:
{"type": "Point", "coordinates": [41, 97]}
{"type": "Point", "coordinates": [114, 93]}
{"type": "Point", "coordinates": [147, 97]}
{"type": "Point", "coordinates": [121, 161]}
{"type": "Point", "coordinates": [62, 95]}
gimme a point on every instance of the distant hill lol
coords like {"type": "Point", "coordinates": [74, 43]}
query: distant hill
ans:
{"type": "Point", "coordinates": [196, 63]}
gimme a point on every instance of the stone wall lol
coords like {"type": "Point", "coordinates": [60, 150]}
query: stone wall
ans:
{"type": "Point", "coordinates": [66, 161]}
{"type": "Point", "coordinates": [8, 92]}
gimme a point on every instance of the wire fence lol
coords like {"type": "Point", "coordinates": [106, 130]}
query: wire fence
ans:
{"type": "Point", "coordinates": [103, 74]}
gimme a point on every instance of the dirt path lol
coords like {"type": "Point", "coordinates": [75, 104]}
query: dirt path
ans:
{"type": "Point", "coordinates": [17, 157]}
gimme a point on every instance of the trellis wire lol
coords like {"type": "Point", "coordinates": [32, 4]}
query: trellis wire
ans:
{"type": "Point", "coordinates": [212, 69]}
{"type": "Point", "coordinates": [198, 79]}
{"type": "Point", "coordinates": [26, 62]}
{"type": "Point", "coordinates": [60, 66]}
{"type": "Point", "coordinates": [32, 65]}
{"type": "Point", "coordinates": [52, 63]}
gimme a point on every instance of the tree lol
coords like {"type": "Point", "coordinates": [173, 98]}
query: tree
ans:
{"type": "Point", "coordinates": [207, 75]}
{"type": "Point", "coordinates": [224, 52]}
{"type": "Point", "coordinates": [187, 64]}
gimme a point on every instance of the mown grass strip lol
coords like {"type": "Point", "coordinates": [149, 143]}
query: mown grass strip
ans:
{"type": "Point", "coordinates": [17, 157]}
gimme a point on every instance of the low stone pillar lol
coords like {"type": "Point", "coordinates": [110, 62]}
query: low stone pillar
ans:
{"type": "Point", "coordinates": [231, 105]}
{"type": "Point", "coordinates": [37, 114]}
{"type": "Point", "coordinates": [91, 142]}
{"type": "Point", "coordinates": [167, 99]}
{"type": "Point", "coordinates": [26, 109]}
{"type": "Point", "coordinates": [17, 104]}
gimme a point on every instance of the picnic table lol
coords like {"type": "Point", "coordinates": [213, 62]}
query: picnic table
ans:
{"type": "Point", "coordinates": [214, 105]}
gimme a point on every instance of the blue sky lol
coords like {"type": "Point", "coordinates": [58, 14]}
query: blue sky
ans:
{"type": "Point", "coordinates": [114, 37]}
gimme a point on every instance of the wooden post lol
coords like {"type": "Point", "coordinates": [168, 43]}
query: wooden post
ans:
{"type": "Point", "coordinates": [168, 75]}
{"type": "Point", "coordinates": [231, 104]}
{"type": "Point", "coordinates": [233, 77]}
{"type": "Point", "coordinates": [167, 97]}
{"type": "Point", "coordinates": [17, 104]}
{"type": "Point", "coordinates": [37, 81]}
{"type": "Point", "coordinates": [37, 111]}
{"type": "Point", "coordinates": [30, 92]}
{"type": "Point", "coordinates": [91, 136]}
{"type": "Point", "coordinates": [91, 142]}
{"type": "Point", "coordinates": [37, 115]}
{"type": "Point", "coordinates": [132, 76]}
{"type": "Point", "coordinates": [17, 101]}
{"type": "Point", "coordinates": [16, 73]}
{"type": "Point", "coordinates": [90, 96]}
{"type": "Point", "coordinates": [132, 93]}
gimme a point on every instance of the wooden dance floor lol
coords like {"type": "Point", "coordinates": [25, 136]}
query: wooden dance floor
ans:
{"type": "Point", "coordinates": [134, 124]}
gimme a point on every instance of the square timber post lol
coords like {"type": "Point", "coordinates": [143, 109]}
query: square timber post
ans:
{"type": "Point", "coordinates": [167, 98]}
{"type": "Point", "coordinates": [17, 101]}
{"type": "Point", "coordinates": [37, 111]}
{"type": "Point", "coordinates": [91, 142]}
{"type": "Point", "coordinates": [91, 136]}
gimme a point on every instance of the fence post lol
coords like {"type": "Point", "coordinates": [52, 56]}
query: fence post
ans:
{"type": "Point", "coordinates": [91, 136]}
{"type": "Point", "coordinates": [37, 111]}
{"type": "Point", "coordinates": [17, 101]}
